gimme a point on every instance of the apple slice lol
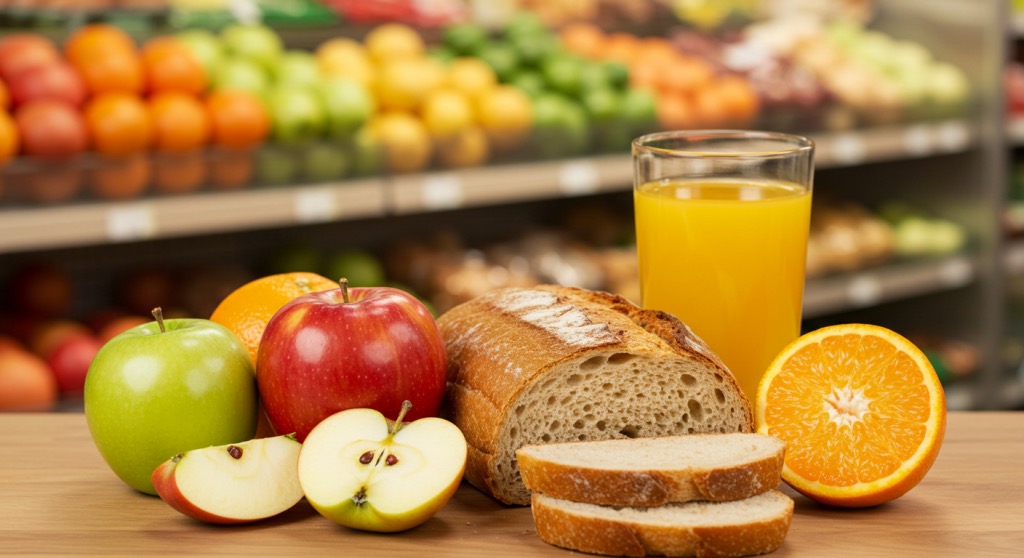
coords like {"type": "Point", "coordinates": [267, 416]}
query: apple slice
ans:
{"type": "Point", "coordinates": [362, 471]}
{"type": "Point", "coordinates": [235, 483]}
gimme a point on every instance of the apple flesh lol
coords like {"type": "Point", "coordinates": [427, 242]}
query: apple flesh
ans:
{"type": "Point", "coordinates": [362, 471]}
{"type": "Point", "coordinates": [339, 349]}
{"type": "Point", "coordinates": [233, 483]}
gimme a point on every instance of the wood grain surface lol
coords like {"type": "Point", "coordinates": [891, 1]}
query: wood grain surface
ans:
{"type": "Point", "coordinates": [57, 497]}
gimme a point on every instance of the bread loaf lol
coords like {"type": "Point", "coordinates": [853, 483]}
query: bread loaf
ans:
{"type": "Point", "coordinates": [756, 525]}
{"type": "Point", "coordinates": [654, 471]}
{"type": "Point", "coordinates": [558, 364]}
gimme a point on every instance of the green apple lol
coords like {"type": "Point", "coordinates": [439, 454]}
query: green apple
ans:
{"type": "Point", "coordinates": [367, 153]}
{"type": "Point", "coordinates": [233, 483]}
{"type": "Point", "coordinates": [276, 166]}
{"type": "Point", "coordinates": [243, 75]}
{"type": "Point", "coordinates": [206, 47]}
{"type": "Point", "coordinates": [167, 387]}
{"type": "Point", "coordinates": [360, 470]}
{"type": "Point", "coordinates": [297, 115]}
{"type": "Point", "coordinates": [348, 106]}
{"type": "Point", "coordinates": [298, 68]}
{"type": "Point", "coordinates": [257, 43]}
{"type": "Point", "coordinates": [325, 161]}
{"type": "Point", "coordinates": [361, 268]}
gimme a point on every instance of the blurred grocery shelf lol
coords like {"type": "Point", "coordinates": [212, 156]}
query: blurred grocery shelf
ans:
{"type": "Point", "coordinates": [88, 223]}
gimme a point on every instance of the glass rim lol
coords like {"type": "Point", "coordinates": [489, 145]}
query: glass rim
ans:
{"type": "Point", "coordinates": [790, 144]}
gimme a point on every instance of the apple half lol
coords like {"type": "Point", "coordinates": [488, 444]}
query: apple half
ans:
{"type": "Point", "coordinates": [234, 483]}
{"type": "Point", "coordinates": [363, 471]}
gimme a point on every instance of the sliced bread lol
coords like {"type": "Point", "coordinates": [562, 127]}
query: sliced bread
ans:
{"type": "Point", "coordinates": [654, 471]}
{"type": "Point", "coordinates": [559, 364]}
{"type": "Point", "coordinates": [747, 527]}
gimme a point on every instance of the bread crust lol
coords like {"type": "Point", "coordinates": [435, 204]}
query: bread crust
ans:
{"type": "Point", "coordinates": [496, 352]}
{"type": "Point", "coordinates": [653, 487]}
{"type": "Point", "coordinates": [612, 537]}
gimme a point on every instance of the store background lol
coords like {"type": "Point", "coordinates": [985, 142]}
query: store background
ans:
{"type": "Point", "coordinates": [919, 196]}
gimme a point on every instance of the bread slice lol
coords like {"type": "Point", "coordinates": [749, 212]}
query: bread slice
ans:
{"type": "Point", "coordinates": [559, 364]}
{"type": "Point", "coordinates": [755, 525]}
{"type": "Point", "coordinates": [654, 471]}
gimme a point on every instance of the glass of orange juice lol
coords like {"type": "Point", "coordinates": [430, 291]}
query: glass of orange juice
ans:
{"type": "Point", "coordinates": [721, 223]}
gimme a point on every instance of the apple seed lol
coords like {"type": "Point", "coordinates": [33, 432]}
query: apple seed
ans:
{"type": "Point", "coordinates": [366, 458]}
{"type": "Point", "coordinates": [391, 459]}
{"type": "Point", "coordinates": [235, 451]}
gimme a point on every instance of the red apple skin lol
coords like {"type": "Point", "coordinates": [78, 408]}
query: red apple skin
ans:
{"type": "Point", "coordinates": [167, 487]}
{"type": "Point", "coordinates": [58, 81]}
{"type": "Point", "coordinates": [21, 51]}
{"type": "Point", "coordinates": [320, 355]}
{"type": "Point", "coordinates": [69, 361]}
{"type": "Point", "coordinates": [49, 128]}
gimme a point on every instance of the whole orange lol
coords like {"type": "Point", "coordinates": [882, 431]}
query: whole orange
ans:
{"type": "Point", "coordinates": [118, 124]}
{"type": "Point", "coordinates": [120, 178]}
{"type": "Point", "coordinates": [179, 120]}
{"type": "Point", "coordinates": [238, 119]}
{"type": "Point", "coordinates": [170, 66]}
{"type": "Point", "coordinates": [90, 40]}
{"type": "Point", "coordinates": [8, 137]}
{"type": "Point", "coordinates": [248, 309]}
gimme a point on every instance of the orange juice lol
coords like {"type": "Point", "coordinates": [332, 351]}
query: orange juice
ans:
{"type": "Point", "coordinates": [727, 258]}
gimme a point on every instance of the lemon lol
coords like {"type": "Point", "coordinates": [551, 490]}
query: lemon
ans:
{"type": "Point", "coordinates": [506, 115]}
{"type": "Point", "coordinates": [393, 41]}
{"type": "Point", "coordinates": [405, 83]}
{"type": "Point", "coordinates": [471, 76]}
{"type": "Point", "coordinates": [404, 139]}
{"type": "Point", "coordinates": [446, 112]}
{"type": "Point", "coordinates": [468, 148]}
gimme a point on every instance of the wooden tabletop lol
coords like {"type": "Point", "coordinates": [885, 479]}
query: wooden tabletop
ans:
{"type": "Point", "coordinates": [58, 497]}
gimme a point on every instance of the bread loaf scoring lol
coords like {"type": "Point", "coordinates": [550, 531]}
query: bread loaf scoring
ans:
{"type": "Point", "coordinates": [558, 364]}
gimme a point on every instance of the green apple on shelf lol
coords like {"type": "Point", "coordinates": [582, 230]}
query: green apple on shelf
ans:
{"type": "Point", "coordinates": [363, 471]}
{"type": "Point", "coordinates": [164, 388]}
{"type": "Point", "coordinates": [233, 483]}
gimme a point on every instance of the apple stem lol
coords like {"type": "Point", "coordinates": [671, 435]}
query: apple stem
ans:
{"type": "Point", "coordinates": [343, 282]}
{"type": "Point", "coordinates": [406, 405]}
{"type": "Point", "coordinates": [158, 313]}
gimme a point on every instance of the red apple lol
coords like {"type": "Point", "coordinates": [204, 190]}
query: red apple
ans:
{"type": "Point", "coordinates": [20, 51]}
{"type": "Point", "coordinates": [329, 351]}
{"type": "Point", "coordinates": [69, 361]}
{"type": "Point", "coordinates": [51, 128]}
{"type": "Point", "coordinates": [58, 81]}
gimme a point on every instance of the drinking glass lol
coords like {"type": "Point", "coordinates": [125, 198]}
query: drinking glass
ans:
{"type": "Point", "coordinates": [722, 219]}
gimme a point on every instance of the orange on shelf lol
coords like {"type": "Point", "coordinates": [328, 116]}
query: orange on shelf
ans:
{"type": "Point", "coordinates": [712, 110]}
{"type": "Point", "coordinates": [740, 99]}
{"type": "Point", "coordinates": [180, 122]}
{"type": "Point", "coordinates": [179, 173]}
{"type": "Point", "coordinates": [120, 178]}
{"type": "Point", "coordinates": [89, 40]}
{"type": "Point", "coordinates": [26, 383]}
{"type": "Point", "coordinates": [861, 411]}
{"type": "Point", "coordinates": [231, 169]}
{"type": "Point", "coordinates": [8, 138]}
{"type": "Point", "coordinates": [170, 66]}
{"type": "Point", "coordinates": [676, 111]}
{"type": "Point", "coordinates": [51, 185]}
{"type": "Point", "coordinates": [237, 119]}
{"type": "Point", "coordinates": [118, 124]}
{"type": "Point", "coordinates": [620, 47]}
{"type": "Point", "coordinates": [583, 38]}
{"type": "Point", "coordinates": [113, 71]}
{"type": "Point", "coordinates": [248, 309]}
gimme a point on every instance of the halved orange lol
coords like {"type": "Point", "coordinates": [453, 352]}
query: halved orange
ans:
{"type": "Point", "coordinates": [861, 411]}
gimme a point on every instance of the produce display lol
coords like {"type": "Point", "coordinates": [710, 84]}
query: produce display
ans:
{"type": "Point", "coordinates": [195, 109]}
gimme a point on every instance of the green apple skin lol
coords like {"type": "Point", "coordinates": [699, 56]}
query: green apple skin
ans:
{"type": "Point", "coordinates": [150, 395]}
